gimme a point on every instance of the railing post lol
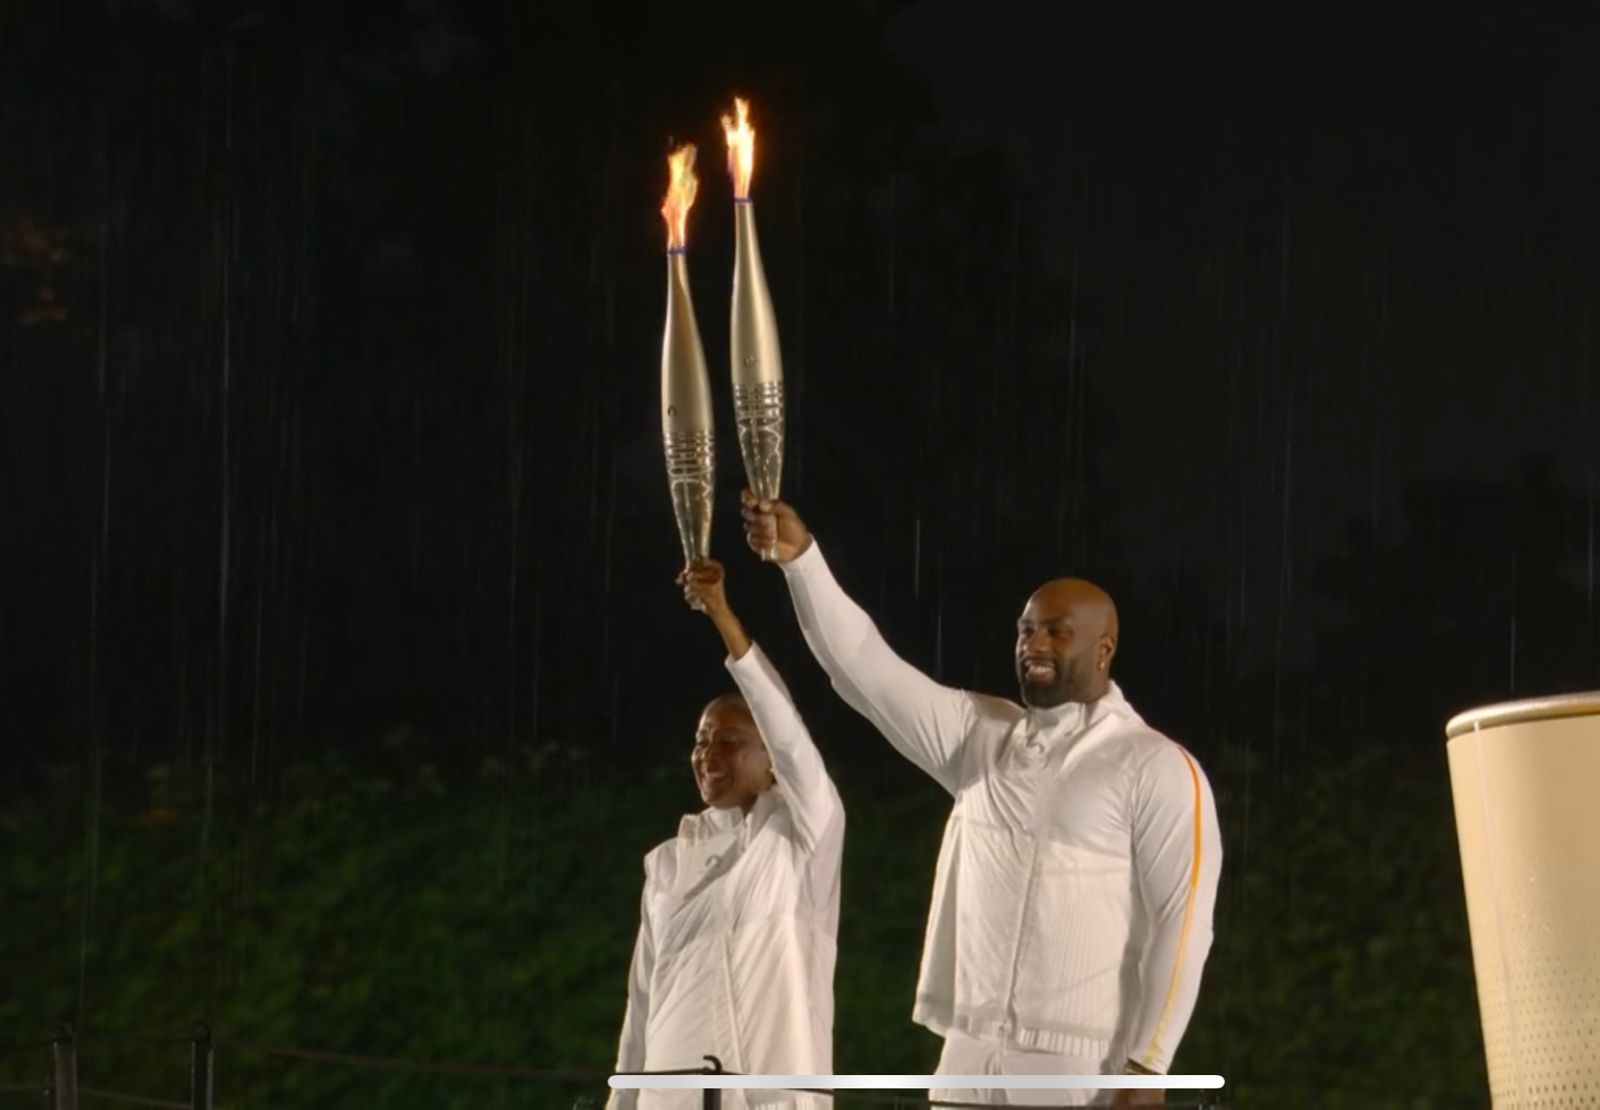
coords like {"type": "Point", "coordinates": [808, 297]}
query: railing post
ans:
{"type": "Point", "coordinates": [64, 1089]}
{"type": "Point", "coordinates": [202, 1069]}
{"type": "Point", "coordinates": [713, 1095]}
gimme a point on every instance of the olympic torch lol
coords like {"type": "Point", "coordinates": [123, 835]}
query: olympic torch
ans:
{"type": "Point", "coordinates": [686, 429]}
{"type": "Point", "coordinates": [757, 361]}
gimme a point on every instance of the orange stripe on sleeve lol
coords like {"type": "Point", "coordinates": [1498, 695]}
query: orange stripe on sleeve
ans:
{"type": "Point", "coordinates": [1188, 913]}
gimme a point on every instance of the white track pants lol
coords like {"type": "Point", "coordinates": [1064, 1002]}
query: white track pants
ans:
{"type": "Point", "coordinates": [963, 1055]}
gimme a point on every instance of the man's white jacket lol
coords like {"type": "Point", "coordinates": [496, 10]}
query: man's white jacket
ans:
{"type": "Point", "coordinates": [739, 923]}
{"type": "Point", "coordinates": [1072, 902]}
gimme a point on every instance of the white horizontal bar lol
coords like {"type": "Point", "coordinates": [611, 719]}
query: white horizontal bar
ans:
{"type": "Point", "coordinates": [626, 1082]}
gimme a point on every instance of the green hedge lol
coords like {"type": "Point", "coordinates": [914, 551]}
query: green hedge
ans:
{"type": "Point", "coordinates": [488, 916]}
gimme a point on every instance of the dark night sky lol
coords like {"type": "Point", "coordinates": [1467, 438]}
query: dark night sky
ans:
{"type": "Point", "coordinates": [350, 423]}
{"type": "Point", "coordinates": [1407, 197]}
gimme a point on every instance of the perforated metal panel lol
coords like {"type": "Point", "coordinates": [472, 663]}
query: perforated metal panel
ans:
{"type": "Point", "coordinates": [1527, 802]}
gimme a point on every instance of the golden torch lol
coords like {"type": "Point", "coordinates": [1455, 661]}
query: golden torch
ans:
{"type": "Point", "coordinates": [686, 429]}
{"type": "Point", "coordinates": [757, 361]}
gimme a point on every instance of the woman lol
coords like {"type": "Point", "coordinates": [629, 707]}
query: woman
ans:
{"type": "Point", "coordinates": [740, 912]}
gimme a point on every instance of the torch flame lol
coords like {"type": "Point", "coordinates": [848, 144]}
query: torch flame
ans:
{"type": "Point", "coordinates": [741, 148]}
{"type": "Point", "coordinates": [680, 196]}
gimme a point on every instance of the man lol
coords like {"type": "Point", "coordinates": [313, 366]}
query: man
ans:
{"type": "Point", "coordinates": [1073, 896]}
{"type": "Point", "coordinates": [740, 914]}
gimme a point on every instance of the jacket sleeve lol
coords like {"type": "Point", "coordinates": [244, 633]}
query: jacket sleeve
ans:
{"type": "Point", "coordinates": [926, 722]}
{"type": "Point", "coordinates": [813, 801]}
{"type": "Point", "coordinates": [631, 1045]}
{"type": "Point", "coordinates": [1177, 856]}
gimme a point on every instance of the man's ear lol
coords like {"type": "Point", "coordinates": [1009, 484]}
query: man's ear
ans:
{"type": "Point", "coordinates": [1107, 650]}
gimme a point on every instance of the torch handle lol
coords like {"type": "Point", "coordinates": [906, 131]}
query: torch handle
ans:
{"type": "Point", "coordinates": [758, 415]}
{"type": "Point", "coordinates": [691, 476]}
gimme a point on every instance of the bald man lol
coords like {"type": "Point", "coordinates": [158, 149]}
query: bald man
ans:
{"type": "Point", "coordinates": [1072, 900]}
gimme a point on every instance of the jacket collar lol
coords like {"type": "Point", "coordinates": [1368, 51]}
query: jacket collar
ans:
{"type": "Point", "coordinates": [711, 822]}
{"type": "Point", "coordinates": [1073, 715]}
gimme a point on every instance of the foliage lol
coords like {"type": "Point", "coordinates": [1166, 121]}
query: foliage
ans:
{"type": "Point", "coordinates": [1342, 973]}
{"type": "Point", "coordinates": [488, 916]}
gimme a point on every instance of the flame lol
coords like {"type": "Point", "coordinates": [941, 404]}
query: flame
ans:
{"type": "Point", "coordinates": [741, 148]}
{"type": "Point", "coordinates": [680, 196]}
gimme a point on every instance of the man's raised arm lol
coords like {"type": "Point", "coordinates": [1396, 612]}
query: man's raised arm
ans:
{"type": "Point", "coordinates": [926, 722]}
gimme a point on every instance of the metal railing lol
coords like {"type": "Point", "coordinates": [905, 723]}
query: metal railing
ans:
{"type": "Point", "coordinates": [62, 1090]}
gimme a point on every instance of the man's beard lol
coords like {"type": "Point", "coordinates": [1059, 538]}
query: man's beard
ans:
{"type": "Point", "coordinates": [1048, 695]}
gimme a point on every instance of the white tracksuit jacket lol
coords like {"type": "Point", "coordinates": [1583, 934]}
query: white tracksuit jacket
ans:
{"type": "Point", "coordinates": [1072, 902]}
{"type": "Point", "coordinates": [738, 924]}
